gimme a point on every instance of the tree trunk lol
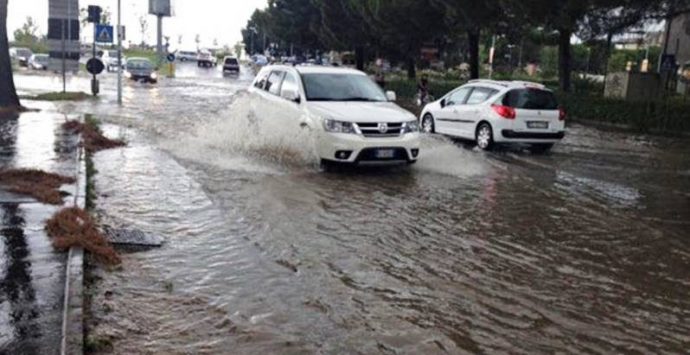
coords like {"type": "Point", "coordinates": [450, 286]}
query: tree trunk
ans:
{"type": "Point", "coordinates": [607, 55]}
{"type": "Point", "coordinates": [564, 59]}
{"type": "Point", "coordinates": [473, 42]}
{"type": "Point", "coordinates": [8, 93]}
{"type": "Point", "coordinates": [411, 68]}
{"type": "Point", "coordinates": [359, 57]}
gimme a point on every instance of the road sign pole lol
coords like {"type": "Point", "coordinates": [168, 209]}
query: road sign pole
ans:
{"type": "Point", "coordinates": [119, 52]}
{"type": "Point", "coordinates": [94, 82]}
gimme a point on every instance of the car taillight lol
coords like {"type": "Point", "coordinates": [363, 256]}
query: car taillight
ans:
{"type": "Point", "coordinates": [504, 111]}
{"type": "Point", "coordinates": [561, 114]}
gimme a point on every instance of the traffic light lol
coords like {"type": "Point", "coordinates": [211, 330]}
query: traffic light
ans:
{"type": "Point", "coordinates": [94, 14]}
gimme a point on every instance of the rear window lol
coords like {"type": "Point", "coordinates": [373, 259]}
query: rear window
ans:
{"type": "Point", "coordinates": [531, 99]}
{"type": "Point", "coordinates": [231, 61]}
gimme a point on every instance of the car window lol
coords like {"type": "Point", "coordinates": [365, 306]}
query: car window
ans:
{"type": "Point", "coordinates": [531, 99]}
{"type": "Point", "coordinates": [261, 80]}
{"type": "Point", "coordinates": [273, 82]}
{"type": "Point", "coordinates": [480, 95]}
{"type": "Point", "coordinates": [457, 97]}
{"type": "Point", "coordinates": [289, 84]}
{"type": "Point", "coordinates": [230, 61]}
{"type": "Point", "coordinates": [341, 87]}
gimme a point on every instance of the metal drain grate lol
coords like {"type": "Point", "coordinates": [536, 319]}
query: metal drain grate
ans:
{"type": "Point", "coordinates": [131, 237]}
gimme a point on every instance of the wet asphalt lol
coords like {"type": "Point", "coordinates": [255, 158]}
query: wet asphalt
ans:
{"type": "Point", "coordinates": [582, 250]}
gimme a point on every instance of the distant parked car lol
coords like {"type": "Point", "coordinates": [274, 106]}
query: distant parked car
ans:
{"type": "Point", "coordinates": [186, 56]}
{"type": "Point", "coordinates": [39, 61]}
{"type": "Point", "coordinates": [491, 112]}
{"type": "Point", "coordinates": [206, 59]}
{"type": "Point", "coordinates": [109, 58]}
{"type": "Point", "coordinates": [22, 55]}
{"type": "Point", "coordinates": [141, 69]}
{"type": "Point", "coordinates": [231, 64]}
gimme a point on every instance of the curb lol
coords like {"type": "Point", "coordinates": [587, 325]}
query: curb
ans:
{"type": "Point", "coordinates": [73, 307]}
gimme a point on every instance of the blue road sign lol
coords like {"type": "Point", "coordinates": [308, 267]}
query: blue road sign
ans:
{"type": "Point", "coordinates": [104, 34]}
{"type": "Point", "coordinates": [171, 57]}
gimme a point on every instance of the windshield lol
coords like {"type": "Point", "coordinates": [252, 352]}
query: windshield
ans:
{"type": "Point", "coordinates": [341, 87]}
{"type": "Point", "coordinates": [24, 53]}
{"type": "Point", "coordinates": [42, 58]}
{"type": "Point", "coordinates": [231, 61]}
{"type": "Point", "coordinates": [112, 54]}
{"type": "Point", "coordinates": [139, 64]}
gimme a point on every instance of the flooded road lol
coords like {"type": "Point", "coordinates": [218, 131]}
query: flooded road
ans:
{"type": "Point", "coordinates": [584, 250]}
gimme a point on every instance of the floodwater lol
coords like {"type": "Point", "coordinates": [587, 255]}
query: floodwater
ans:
{"type": "Point", "coordinates": [583, 250]}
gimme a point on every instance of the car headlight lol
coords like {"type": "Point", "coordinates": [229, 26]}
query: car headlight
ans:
{"type": "Point", "coordinates": [128, 75]}
{"type": "Point", "coordinates": [154, 76]}
{"type": "Point", "coordinates": [334, 126]}
{"type": "Point", "coordinates": [410, 127]}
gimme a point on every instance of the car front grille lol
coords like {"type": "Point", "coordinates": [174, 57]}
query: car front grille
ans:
{"type": "Point", "coordinates": [380, 130]}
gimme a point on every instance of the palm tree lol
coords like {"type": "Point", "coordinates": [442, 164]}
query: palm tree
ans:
{"type": "Point", "coordinates": [8, 92]}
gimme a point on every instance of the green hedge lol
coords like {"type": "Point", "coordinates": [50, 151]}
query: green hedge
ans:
{"type": "Point", "coordinates": [670, 115]}
{"type": "Point", "coordinates": [406, 88]}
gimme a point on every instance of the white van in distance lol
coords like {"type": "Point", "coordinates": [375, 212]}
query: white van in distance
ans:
{"type": "Point", "coordinates": [353, 120]}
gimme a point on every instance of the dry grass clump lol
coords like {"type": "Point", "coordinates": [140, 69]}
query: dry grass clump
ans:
{"type": "Point", "coordinates": [71, 227]}
{"type": "Point", "coordinates": [35, 183]}
{"type": "Point", "coordinates": [94, 140]}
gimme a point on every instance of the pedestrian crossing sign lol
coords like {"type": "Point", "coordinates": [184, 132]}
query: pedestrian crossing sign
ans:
{"type": "Point", "coordinates": [104, 34]}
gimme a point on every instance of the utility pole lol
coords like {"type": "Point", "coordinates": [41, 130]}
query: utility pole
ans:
{"type": "Point", "coordinates": [159, 38]}
{"type": "Point", "coordinates": [119, 52]}
{"type": "Point", "coordinates": [492, 51]}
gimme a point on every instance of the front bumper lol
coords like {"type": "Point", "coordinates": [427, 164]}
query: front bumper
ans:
{"type": "Point", "coordinates": [363, 150]}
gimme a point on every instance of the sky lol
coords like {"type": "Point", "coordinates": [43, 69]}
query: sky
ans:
{"type": "Point", "coordinates": [221, 20]}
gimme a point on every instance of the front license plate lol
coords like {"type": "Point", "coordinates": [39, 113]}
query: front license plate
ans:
{"type": "Point", "coordinates": [385, 153]}
{"type": "Point", "coordinates": [537, 124]}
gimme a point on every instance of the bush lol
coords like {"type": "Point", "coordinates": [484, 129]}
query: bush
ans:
{"type": "Point", "coordinates": [670, 115]}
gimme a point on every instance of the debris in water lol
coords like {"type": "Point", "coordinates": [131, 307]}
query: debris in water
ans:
{"type": "Point", "coordinates": [94, 140]}
{"type": "Point", "coordinates": [75, 227]}
{"type": "Point", "coordinates": [38, 184]}
{"type": "Point", "coordinates": [131, 237]}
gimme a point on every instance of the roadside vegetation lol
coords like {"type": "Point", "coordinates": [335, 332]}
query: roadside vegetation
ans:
{"type": "Point", "coordinates": [43, 186]}
{"type": "Point", "coordinates": [59, 96]}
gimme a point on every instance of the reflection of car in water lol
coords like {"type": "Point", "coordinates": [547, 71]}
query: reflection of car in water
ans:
{"type": "Point", "coordinates": [141, 69]}
{"type": "Point", "coordinates": [39, 62]}
{"type": "Point", "coordinates": [352, 119]}
{"type": "Point", "coordinates": [491, 112]}
{"type": "Point", "coordinates": [206, 59]}
{"type": "Point", "coordinates": [22, 55]}
{"type": "Point", "coordinates": [231, 64]}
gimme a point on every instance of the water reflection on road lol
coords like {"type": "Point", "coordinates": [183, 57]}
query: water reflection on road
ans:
{"type": "Point", "coordinates": [581, 250]}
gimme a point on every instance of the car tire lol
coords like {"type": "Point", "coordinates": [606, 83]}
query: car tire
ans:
{"type": "Point", "coordinates": [541, 148]}
{"type": "Point", "coordinates": [484, 136]}
{"type": "Point", "coordinates": [427, 124]}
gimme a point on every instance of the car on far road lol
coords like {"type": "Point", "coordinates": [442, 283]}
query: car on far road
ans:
{"type": "Point", "coordinates": [494, 112]}
{"type": "Point", "coordinates": [109, 58]}
{"type": "Point", "coordinates": [206, 59]}
{"type": "Point", "coordinates": [351, 119]}
{"type": "Point", "coordinates": [141, 69]}
{"type": "Point", "coordinates": [186, 56]}
{"type": "Point", "coordinates": [231, 64]}
{"type": "Point", "coordinates": [39, 61]}
{"type": "Point", "coordinates": [22, 55]}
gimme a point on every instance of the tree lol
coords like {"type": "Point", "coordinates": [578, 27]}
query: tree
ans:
{"type": "Point", "coordinates": [27, 34]}
{"type": "Point", "coordinates": [238, 49]}
{"type": "Point", "coordinates": [8, 92]}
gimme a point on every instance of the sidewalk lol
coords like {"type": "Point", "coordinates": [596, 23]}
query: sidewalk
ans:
{"type": "Point", "coordinates": [32, 273]}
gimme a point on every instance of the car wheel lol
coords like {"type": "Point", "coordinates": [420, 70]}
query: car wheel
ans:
{"type": "Point", "coordinates": [484, 136]}
{"type": "Point", "coordinates": [541, 147]}
{"type": "Point", "coordinates": [428, 124]}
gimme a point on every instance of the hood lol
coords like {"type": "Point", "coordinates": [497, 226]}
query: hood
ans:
{"type": "Point", "coordinates": [361, 111]}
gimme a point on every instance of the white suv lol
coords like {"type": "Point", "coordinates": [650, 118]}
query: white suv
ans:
{"type": "Point", "coordinates": [352, 119]}
{"type": "Point", "coordinates": [490, 112]}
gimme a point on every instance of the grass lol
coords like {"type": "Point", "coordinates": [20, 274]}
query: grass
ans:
{"type": "Point", "coordinates": [74, 227]}
{"type": "Point", "coordinates": [59, 96]}
{"type": "Point", "coordinates": [38, 184]}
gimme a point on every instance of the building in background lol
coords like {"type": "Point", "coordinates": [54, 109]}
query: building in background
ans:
{"type": "Point", "coordinates": [679, 38]}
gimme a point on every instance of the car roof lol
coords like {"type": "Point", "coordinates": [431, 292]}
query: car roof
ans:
{"type": "Point", "coordinates": [504, 84]}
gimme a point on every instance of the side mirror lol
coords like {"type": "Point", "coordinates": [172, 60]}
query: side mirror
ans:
{"type": "Point", "coordinates": [390, 95]}
{"type": "Point", "coordinates": [443, 103]}
{"type": "Point", "coordinates": [291, 95]}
